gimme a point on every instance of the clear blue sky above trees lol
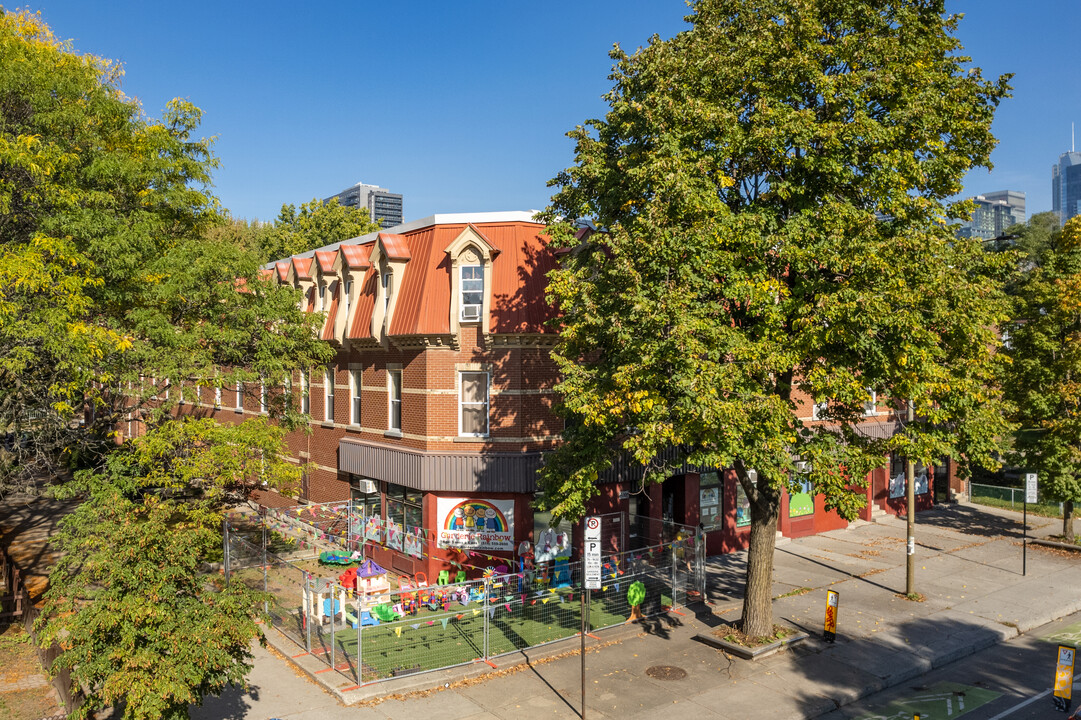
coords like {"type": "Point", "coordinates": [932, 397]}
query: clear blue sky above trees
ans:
{"type": "Point", "coordinates": [464, 106]}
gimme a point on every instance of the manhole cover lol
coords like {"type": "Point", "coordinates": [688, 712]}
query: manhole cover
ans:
{"type": "Point", "coordinates": [666, 672]}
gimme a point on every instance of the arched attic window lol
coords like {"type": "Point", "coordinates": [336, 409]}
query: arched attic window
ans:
{"type": "Point", "coordinates": [471, 258]}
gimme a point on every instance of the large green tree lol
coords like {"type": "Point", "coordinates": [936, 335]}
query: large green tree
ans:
{"type": "Point", "coordinates": [769, 189]}
{"type": "Point", "coordinates": [112, 291]}
{"type": "Point", "coordinates": [108, 283]}
{"type": "Point", "coordinates": [1043, 381]}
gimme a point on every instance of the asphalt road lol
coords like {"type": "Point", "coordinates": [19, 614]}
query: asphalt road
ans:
{"type": "Point", "coordinates": [1011, 681]}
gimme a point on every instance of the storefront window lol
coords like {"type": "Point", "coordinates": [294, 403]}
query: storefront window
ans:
{"type": "Point", "coordinates": [365, 503]}
{"type": "Point", "coordinates": [709, 500]}
{"type": "Point", "coordinates": [898, 470]}
{"type": "Point", "coordinates": [405, 506]}
{"type": "Point", "coordinates": [801, 503]}
{"type": "Point", "coordinates": [743, 506]}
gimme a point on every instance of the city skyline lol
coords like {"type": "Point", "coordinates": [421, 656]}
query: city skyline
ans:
{"type": "Point", "coordinates": [471, 108]}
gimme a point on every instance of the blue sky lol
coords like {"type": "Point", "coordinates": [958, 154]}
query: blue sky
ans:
{"type": "Point", "coordinates": [463, 106]}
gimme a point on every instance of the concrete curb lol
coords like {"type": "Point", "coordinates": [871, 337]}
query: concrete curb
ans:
{"type": "Point", "coordinates": [925, 662]}
{"type": "Point", "coordinates": [1055, 544]}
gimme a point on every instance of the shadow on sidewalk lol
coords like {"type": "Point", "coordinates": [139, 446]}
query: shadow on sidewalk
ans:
{"type": "Point", "coordinates": [970, 520]}
{"type": "Point", "coordinates": [233, 703]}
{"type": "Point", "coordinates": [907, 655]}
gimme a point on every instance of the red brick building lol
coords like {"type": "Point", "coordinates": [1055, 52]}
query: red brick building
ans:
{"type": "Point", "coordinates": [438, 404]}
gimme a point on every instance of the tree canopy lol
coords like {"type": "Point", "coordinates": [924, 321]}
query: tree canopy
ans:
{"type": "Point", "coordinates": [106, 273]}
{"type": "Point", "coordinates": [1043, 380]}
{"type": "Point", "coordinates": [769, 189]}
{"type": "Point", "coordinates": [118, 298]}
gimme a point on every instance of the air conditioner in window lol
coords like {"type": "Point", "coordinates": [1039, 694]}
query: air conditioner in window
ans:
{"type": "Point", "coordinates": [471, 312]}
{"type": "Point", "coordinates": [368, 487]}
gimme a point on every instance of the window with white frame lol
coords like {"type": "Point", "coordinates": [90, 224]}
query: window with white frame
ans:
{"type": "Point", "coordinates": [394, 394]}
{"type": "Point", "coordinates": [345, 298]}
{"type": "Point", "coordinates": [328, 394]}
{"type": "Point", "coordinates": [388, 288]}
{"type": "Point", "coordinates": [167, 384]}
{"type": "Point", "coordinates": [217, 397]}
{"type": "Point", "coordinates": [473, 404]}
{"type": "Point", "coordinates": [818, 410]}
{"type": "Point", "coordinates": [472, 289]}
{"type": "Point", "coordinates": [305, 397]}
{"type": "Point", "coordinates": [322, 297]}
{"type": "Point", "coordinates": [870, 405]}
{"type": "Point", "coordinates": [239, 397]}
{"type": "Point", "coordinates": [354, 397]}
{"type": "Point", "coordinates": [262, 395]}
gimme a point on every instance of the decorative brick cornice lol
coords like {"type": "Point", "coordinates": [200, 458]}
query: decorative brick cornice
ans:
{"type": "Point", "coordinates": [425, 342]}
{"type": "Point", "coordinates": [521, 340]}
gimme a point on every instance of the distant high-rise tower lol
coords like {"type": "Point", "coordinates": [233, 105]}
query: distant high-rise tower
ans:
{"type": "Point", "coordinates": [1066, 186]}
{"type": "Point", "coordinates": [995, 211]}
{"type": "Point", "coordinates": [384, 207]}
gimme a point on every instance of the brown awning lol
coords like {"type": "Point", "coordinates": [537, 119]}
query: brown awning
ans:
{"type": "Point", "coordinates": [456, 472]}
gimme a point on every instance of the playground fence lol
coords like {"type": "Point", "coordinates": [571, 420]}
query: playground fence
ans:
{"type": "Point", "coordinates": [407, 630]}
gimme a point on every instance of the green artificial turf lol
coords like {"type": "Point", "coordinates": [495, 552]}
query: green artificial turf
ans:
{"type": "Point", "coordinates": [427, 647]}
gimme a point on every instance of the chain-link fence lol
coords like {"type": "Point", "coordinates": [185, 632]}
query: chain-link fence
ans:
{"type": "Point", "coordinates": [394, 628]}
{"type": "Point", "coordinates": [1007, 497]}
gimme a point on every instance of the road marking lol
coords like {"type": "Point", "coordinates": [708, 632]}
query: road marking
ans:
{"type": "Point", "coordinates": [941, 700]}
{"type": "Point", "coordinates": [1034, 698]}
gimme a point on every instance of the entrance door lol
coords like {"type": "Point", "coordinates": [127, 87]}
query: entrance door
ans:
{"type": "Point", "coordinates": [941, 481]}
{"type": "Point", "coordinates": [673, 508]}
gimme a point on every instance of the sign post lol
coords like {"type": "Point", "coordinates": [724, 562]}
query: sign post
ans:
{"type": "Point", "coordinates": [1064, 677]}
{"type": "Point", "coordinates": [1030, 497]}
{"type": "Point", "coordinates": [591, 569]}
{"type": "Point", "coordinates": [832, 602]}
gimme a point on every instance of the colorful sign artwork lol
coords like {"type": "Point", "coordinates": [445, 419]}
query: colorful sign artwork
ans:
{"type": "Point", "coordinates": [801, 503]}
{"type": "Point", "coordinates": [743, 507]}
{"type": "Point", "coordinates": [475, 523]}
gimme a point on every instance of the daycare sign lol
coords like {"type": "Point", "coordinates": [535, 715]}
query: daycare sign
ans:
{"type": "Point", "coordinates": [475, 524]}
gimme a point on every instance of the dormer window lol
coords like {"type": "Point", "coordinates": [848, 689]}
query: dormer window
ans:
{"type": "Point", "coordinates": [322, 297]}
{"type": "Point", "coordinates": [470, 256]}
{"type": "Point", "coordinates": [472, 289]}
{"type": "Point", "coordinates": [388, 288]}
{"type": "Point", "coordinates": [348, 293]}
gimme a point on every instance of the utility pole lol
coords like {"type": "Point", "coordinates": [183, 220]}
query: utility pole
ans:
{"type": "Point", "coordinates": [910, 498]}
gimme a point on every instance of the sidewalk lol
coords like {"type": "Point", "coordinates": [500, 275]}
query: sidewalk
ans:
{"type": "Point", "coordinates": [968, 567]}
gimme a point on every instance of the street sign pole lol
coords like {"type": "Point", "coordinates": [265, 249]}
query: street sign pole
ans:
{"type": "Point", "coordinates": [583, 655]}
{"type": "Point", "coordinates": [1031, 489]}
{"type": "Point", "coordinates": [910, 513]}
{"type": "Point", "coordinates": [591, 571]}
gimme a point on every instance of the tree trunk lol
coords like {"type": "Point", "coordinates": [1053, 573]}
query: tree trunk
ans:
{"type": "Point", "coordinates": [758, 595]}
{"type": "Point", "coordinates": [1067, 520]}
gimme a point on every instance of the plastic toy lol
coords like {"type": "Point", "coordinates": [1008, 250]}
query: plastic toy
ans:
{"type": "Point", "coordinates": [329, 557]}
{"type": "Point", "coordinates": [372, 579]}
{"type": "Point", "coordinates": [636, 594]}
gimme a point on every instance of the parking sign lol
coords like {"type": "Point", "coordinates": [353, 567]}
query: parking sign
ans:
{"type": "Point", "coordinates": [592, 554]}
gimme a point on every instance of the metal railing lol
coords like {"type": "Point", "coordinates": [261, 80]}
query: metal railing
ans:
{"type": "Point", "coordinates": [395, 631]}
{"type": "Point", "coordinates": [1014, 496]}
